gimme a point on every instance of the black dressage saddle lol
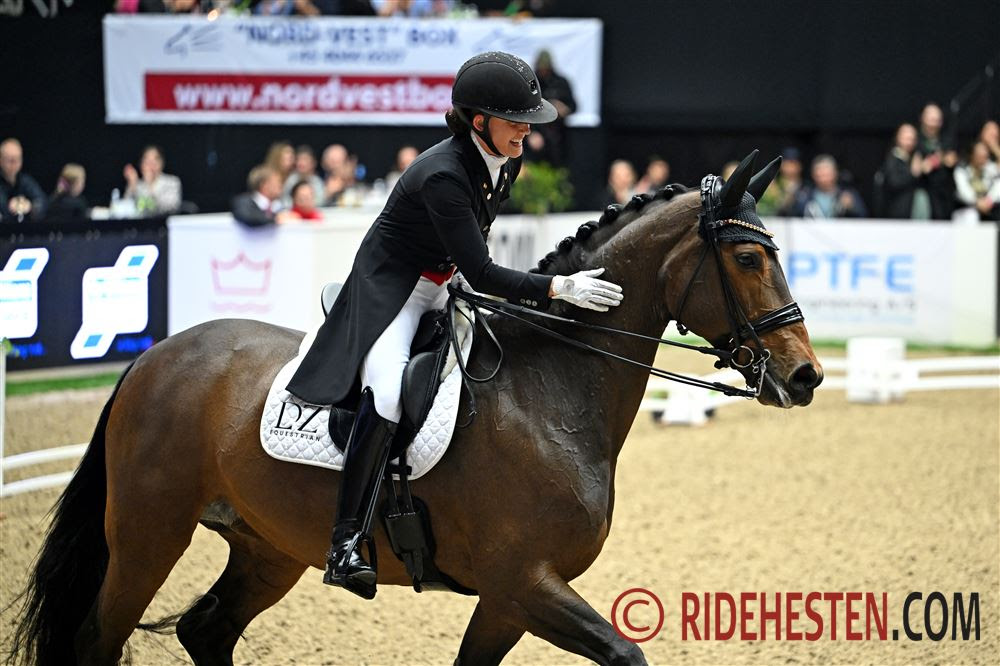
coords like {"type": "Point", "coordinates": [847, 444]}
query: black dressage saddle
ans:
{"type": "Point", "coordinates": [421, 378]}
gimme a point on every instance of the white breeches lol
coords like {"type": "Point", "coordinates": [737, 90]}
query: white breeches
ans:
{"type": "Point", "coordinates": [382, 368]}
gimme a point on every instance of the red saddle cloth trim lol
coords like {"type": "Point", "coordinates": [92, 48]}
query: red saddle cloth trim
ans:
{"type": "Point", "coordinates": [439, 277]}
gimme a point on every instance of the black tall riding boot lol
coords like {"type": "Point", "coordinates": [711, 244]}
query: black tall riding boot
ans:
{"type": "Point", "coordinates": [364, 464]}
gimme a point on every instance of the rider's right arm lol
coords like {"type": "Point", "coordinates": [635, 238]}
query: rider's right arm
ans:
{"type": "Point", "coordinates": [449, 206]}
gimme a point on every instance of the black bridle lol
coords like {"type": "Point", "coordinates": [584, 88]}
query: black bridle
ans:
{"type": "Point", "coordinates": [742, 330]}
{"type": "Point", "coordinates": [734, 353]}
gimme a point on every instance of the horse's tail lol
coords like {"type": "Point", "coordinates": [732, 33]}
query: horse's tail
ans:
{"type": "Point", "coordinates": [70, 568]}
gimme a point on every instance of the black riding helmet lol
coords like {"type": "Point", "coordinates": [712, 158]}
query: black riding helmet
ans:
{"type": "Point", "coordinates": [502, 85]}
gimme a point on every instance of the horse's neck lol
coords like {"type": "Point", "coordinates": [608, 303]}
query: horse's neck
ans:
{"type": "Point", "coordinates": [633, 257]}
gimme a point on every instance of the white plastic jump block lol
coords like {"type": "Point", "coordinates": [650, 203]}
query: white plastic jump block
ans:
{"type": "Point", "coordinates": [876, 371]}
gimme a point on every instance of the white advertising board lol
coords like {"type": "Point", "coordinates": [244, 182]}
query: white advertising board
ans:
{"type": "Point", "coordinates": [174, 69]}
{"type": "Point", "coordinates": [219, 269]}
{"type": "Point", "coordinates": [927, 282]}
{"type": "Point", "coordinates": [930, 282]}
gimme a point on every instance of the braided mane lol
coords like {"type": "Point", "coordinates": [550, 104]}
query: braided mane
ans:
{"type": "Point", "coordinates": [567, 256]}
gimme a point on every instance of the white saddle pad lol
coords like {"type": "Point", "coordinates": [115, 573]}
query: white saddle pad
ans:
{"type": "Point", "coordinates": [296, 431]}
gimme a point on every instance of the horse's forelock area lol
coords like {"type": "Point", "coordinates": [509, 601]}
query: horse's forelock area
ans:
{"type": "Point", "coordinates": [569, 255]}
{"type": "Point", "coordinates": [835, 497]}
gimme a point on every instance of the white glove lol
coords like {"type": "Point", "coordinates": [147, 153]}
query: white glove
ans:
{"type": "Point", "coordinates": [459, 282]}
{"type": "Point", "coordinates": [584, 290]}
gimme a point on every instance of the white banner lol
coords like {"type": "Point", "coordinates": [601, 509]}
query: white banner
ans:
{"type": "Point", "coordinates": [360, 71]}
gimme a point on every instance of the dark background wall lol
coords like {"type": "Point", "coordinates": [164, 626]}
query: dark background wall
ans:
{"type": "Point", "coordinates": [700, 83]}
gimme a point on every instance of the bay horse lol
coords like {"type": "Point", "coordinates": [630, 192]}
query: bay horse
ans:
{"type": "Point", "coordinates": [521, 504]}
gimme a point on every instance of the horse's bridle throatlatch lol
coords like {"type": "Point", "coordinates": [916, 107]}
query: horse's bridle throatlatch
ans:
{"type": "Point", "coordinates": [717, 224]}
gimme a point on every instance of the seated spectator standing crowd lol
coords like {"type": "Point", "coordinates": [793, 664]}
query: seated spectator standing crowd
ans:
{"type": "Point", "coordinates": [152, 191]}
{"type": "Point", "coordinates": [21, 197]}
{"type": "Point", "coordinates": [260, 205]}
{"type": "Point", "coordinates": [66, 202]}
{"type": "Point", "coordinates": [924, 177]}
{"type": "Point", "coordinates": [827, 197]}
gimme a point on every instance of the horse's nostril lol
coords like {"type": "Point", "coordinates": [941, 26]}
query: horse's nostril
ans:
{"type": "Point", "coordinates": [805, 377]}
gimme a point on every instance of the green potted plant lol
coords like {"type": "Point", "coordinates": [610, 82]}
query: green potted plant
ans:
{"type": "Point", "coordinates": [542, 188]}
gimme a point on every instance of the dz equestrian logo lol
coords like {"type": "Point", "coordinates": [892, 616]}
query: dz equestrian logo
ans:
{"type": "Point", "coordinates": [298, 420]}
{"type": "Point", "coordinates": [632, 623]}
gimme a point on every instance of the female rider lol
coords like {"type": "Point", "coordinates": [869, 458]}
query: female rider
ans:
{"type": "Point", "coordinates": [437, 218]}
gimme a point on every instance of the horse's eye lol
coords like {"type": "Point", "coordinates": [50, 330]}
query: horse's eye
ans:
{"type": "Point", "coordinates": [748, 259]}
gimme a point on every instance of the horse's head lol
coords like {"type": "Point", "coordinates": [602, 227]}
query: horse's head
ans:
{"type": "Point", "coordinates": [743, 304]}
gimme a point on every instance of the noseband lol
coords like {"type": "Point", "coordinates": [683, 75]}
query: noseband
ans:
{"type": "Point", "coordinates": [741, 356]}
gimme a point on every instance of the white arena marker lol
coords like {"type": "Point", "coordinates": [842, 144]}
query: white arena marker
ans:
{"type": "Point", "coordinates": [115, 300]}
{"type": "Point", "coordinates": [875, 369]}
{"type": "Point", "coordinates": [19, 292]}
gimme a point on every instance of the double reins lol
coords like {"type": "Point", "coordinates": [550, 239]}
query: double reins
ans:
{"type": "Point", "coordinates": [515, 312]}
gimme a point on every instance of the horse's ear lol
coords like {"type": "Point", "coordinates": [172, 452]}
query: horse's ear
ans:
{"type": "Point", "coordinates": [732, 191]}
{"type": "Point", "coordinates": [763, 178]}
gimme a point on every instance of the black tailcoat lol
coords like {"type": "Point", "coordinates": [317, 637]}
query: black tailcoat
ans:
{"type": "Point", "coordinates": [438, 214]}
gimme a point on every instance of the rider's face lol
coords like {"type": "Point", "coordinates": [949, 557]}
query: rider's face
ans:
{"type": "Point", "coordinates": [508, 136]}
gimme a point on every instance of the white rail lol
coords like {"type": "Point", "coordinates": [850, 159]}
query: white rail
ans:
{"type": "Point", "coordinates": [36, 483]}
{"type": "Point", "coordinates": [690, 406]}
{"type": "Point", "coordinates": [44, 455]}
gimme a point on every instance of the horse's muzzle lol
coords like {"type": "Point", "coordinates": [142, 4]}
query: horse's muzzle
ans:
{"type": "Point", "coordinates": [802, 382]}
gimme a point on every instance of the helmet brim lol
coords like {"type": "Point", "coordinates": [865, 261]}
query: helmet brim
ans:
{"type": "Point", "coordinates": [546, 113]}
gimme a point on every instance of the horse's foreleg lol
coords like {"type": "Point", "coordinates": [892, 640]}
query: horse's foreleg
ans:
{"type": "Point", "coordinates": [552, 610]}
{"type": "Point", "coordinates": [256, 577]}
{"type": "Point", "coordinates": [487, 639]}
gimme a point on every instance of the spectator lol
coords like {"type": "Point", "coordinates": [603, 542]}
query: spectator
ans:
{"type": "Point", "coordinates": [826, 198]}
{"type": "Point", "coordinates": [304, 202]}
{"type": "Point", "coordinates": [990, 136]}
{"type": "Point", "coordinates": [281, 159]}
{"type": "Point", "coordinates": [140, 6]}
{"type": "Point", "coordinates": [20, 196]}
{"type": "Point", "coordinates": [274, 8]}
{"type": "Point", "coordinates": [938, 164]}
{"type": "Point", "coordinates": [904, 198]}
{"type": "Point", "coordinates": [977, 185]}
{"type": "Point", "coordinates": [305, 172]}
{"type": "Point", "coordinates": [655, 178]}
{"type": "Point", "coordinates": [189, 6]}
{"type": "Point", "coordinates": [411, 8]}
{"type": "Point", "coordinates": [341, 186]}
{"type": "Point", "coordinates": [779, 197]}
{"type": "Point", "coordinates": [334, 8]}
{"type": "Point", "coordinates": [67, 202]}
{"type": "Point", "coordinates": [547, 142]}
{"type": "Point", "coordinates": [404, 156]}
{"type": "Point", "coordinates": [155, 192]}
{"type": "Point", "coordinates": [334, 157]}
{"type": "Point", "coordinates": [260, 206]}
{"type": "Point", "coordinates": [621, 183]}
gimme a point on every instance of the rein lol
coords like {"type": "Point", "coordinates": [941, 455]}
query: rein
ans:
{"type": "Point", "coordinates": [515, 311]}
